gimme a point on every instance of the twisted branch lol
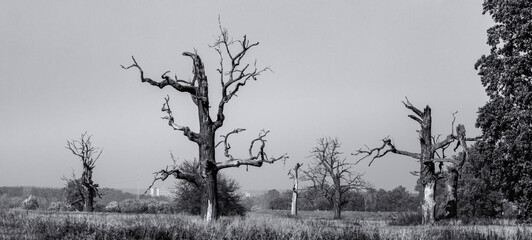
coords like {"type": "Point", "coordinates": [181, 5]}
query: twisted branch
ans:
{"type": "Point", "coordinates": [256, 159]}
{"type": "Point", "coordinates": [175, 83]}
{"type": "Point", "coordinates": [386, 147]}
{"type": "Point", "coordinates": [192, 136]}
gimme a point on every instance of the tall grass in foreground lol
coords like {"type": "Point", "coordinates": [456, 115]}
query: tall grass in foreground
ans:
{"type": "Point", "coordinates": [68, 225]}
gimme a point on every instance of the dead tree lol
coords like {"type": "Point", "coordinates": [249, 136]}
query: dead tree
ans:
{"type": "Point", "coordinates": [234, 74]}
{"type": "Point", "coordinates": [88, 156]}
{"type": "Point", "coordinates": [429, 174]}
{"type": "Point", "coordinates": [295, 190]}
{"type": "Point", "coordinates": [331, 174]}
{"type": "Point", "coordinates": [452, 171]}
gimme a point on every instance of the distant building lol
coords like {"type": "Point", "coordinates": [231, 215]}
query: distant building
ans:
{"type": "Point", "coordinates": [158, 192]}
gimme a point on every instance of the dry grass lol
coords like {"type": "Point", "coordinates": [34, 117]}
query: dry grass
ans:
{"type": "Point", "coordinates": [16, 224]}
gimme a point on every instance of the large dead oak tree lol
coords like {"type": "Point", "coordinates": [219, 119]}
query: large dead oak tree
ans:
{"type": "Point", "coordinates": [429, 157]}
{"type": "Point", "coordinates": [88, 155]}
{"type": "Point", "coordinates": [234, 74]}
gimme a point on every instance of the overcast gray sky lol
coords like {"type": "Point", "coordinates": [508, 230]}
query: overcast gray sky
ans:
{"type": "Point", "coordinates": [341, 69]}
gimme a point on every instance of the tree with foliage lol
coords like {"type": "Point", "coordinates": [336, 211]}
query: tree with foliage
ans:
{"type": "Point", "coordinates": [331, 174]}
{"type": "Point", "coordinates": [188, 195]}
{"type": "Point", "coordinates": [30, 203]}
{"type": "Point", "coordinates": [354, 201]}
{"type": "Point", "coordinates": [506, 119]}
{"type": "Point", "coordinates": [234, 74]}
{"type": "Point", "coordinates": [74, 192]}
{"type": "Point", "coordinates": [88, 155]}
{"type": "Point", "coordinates": [283, 202]}
{"type": "Point", "coordinates": [479, 196]}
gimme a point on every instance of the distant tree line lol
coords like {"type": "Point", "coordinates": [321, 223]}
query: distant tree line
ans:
{"type": "Point", "coordinates": [372, 200]}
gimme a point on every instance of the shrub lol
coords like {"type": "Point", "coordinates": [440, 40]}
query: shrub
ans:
{"type": "Point", "coordinates": [30, 203]}
{"type": "Point", "coordinates": [56, 206]}
{"type": "Point", "coordinates": [133, 206]}
{"type": "Point", "coordinates": [99, 207]}
{"type": "Point", "coordinates": [61, 206]}
{"type": "Point", "coordinates": [159, 207]}
{"type": "Point", "coordinates": [68, 208]}
{"type": "Point", "coordinates": [112, 207]}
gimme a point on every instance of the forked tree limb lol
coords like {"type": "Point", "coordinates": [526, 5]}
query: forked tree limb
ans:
{"type": "Point", "coordinates": [163, 174]}
{"type": "Point", "coordinates": [386, 147]}
{"type": "Point", "coordinates": [254, 159]}
{"type": "Point", "coordinates": [227, 145]}
{"type": "Point", "coordinates": [175, 171]}
{"type": "Point", "coordinates": [167, 81]}
{"type": "Point", "coordinates": [418, 112]}
{"type": "Point", "coordinates": [237, 74]}
{"type": "Point", "coordinates": [191, 135]}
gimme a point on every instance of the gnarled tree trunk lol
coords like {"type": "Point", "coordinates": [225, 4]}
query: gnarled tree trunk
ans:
{"type": "Point", "coordinates": [427, 170]}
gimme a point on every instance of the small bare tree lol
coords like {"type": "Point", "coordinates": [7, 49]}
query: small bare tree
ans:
{"type": "Point", "coordinates": [234, 74]}
{"type": "Point", "coordinates": [88, 155]}
{"type": "Point", "coordinates": [429, 172]}
{"type": "Point", "coordinates": [294, 174]}
{"type": "Point", "coordinates": [331, 174]}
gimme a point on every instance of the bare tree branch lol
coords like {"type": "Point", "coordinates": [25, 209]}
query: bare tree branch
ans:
{"type": "Point", "coordinates": [192, 136]}
{"type": "Point", "coordinates": [175, 171]}
{"type": "Point", "coordinates": [386, 147]}
{"type": "Point", "coordinates": [414, 109]}
{"type": "Point", "coordinates": [238, 75]}
{"type": "Point", "coordinates": [227, 146]}
{"type": "Point", "coordinates": [256, 159]}
{"type": "Point", "coordinates": [175, 83]}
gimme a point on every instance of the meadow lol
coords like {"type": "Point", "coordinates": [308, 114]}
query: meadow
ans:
{"type": "Point", "coordinates": [21, 224]}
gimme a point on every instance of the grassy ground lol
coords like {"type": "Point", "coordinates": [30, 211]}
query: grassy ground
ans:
{"type": "Point", "coordinates": [16, 224]}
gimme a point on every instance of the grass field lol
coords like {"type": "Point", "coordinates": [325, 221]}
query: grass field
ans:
{"type": "Point", "coordinates": [18, 224]}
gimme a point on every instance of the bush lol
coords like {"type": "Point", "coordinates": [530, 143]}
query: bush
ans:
{"type": "Point", "coordinates": [133, 206]}
{"type": "Point", "coordinates": [112, 207]}
{"type": "Point", "coordinates": [56, 206]}
{"type": "Point", "coordinates": [99, 208]}
{"type": "Point", "coordinates": [30, 203]}
{"type": "Point", "coordinates": [61, 206]}
{"type": "Point", "coordinates": [159, 207]}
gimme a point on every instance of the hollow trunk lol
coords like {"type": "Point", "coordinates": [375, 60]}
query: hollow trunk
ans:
{"type": "Point", "coordinates": [452, 194]}
{"type": "Point", "coordinates": [428, 206]}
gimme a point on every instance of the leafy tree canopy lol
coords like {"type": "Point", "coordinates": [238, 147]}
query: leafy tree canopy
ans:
{"type": "Point", "coordinates": [506, 119]}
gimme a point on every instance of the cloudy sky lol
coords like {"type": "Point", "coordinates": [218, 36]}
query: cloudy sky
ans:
{"type": "Point", "coordinates": [341, 70]}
